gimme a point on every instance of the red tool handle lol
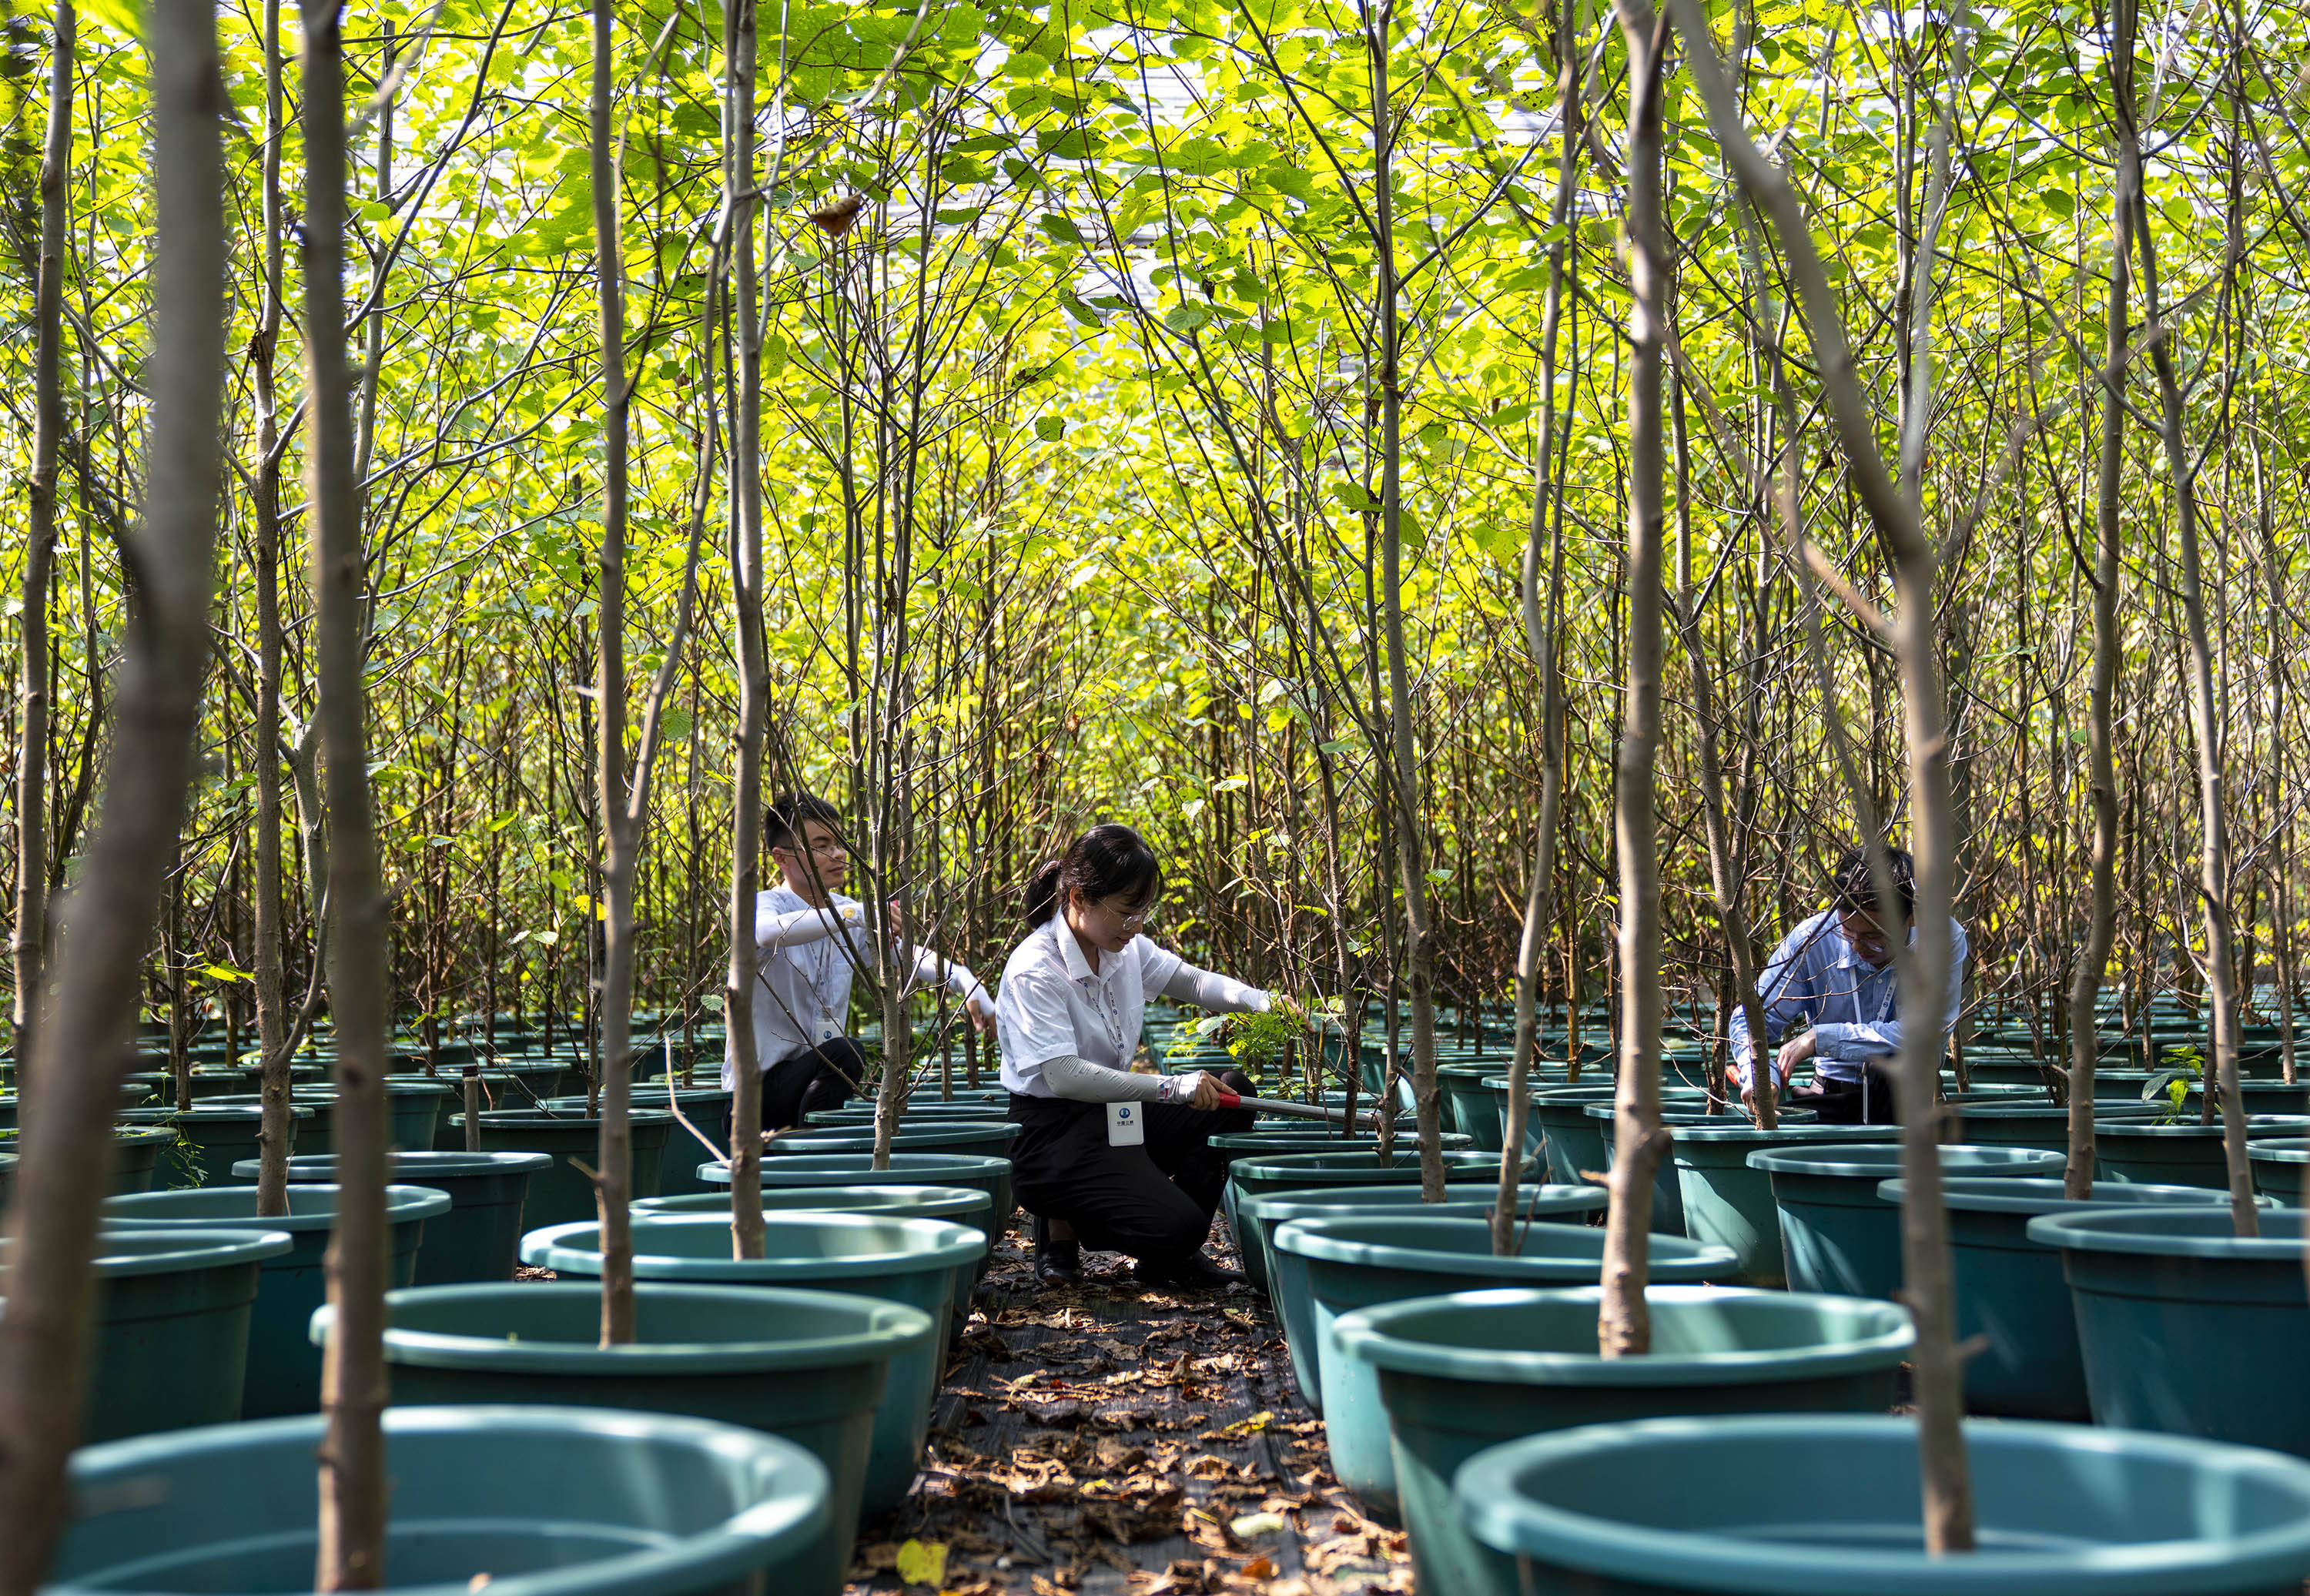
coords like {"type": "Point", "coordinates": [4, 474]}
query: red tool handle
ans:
{"type": "Point", "coordinates": [1230, 1100]}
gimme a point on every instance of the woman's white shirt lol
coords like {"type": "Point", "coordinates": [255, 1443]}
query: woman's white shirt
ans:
{"type": "Point", "coordinates": [1052, 1004]}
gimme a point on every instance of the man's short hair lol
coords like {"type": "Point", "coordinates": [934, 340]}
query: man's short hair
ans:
{"type": "Point", "coordinates": [1856, 885]}
{"type": "Point", "coordinates": [782, 820]}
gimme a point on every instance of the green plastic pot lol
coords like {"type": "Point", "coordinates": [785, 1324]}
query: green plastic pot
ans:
{"type": "Point", "coordinates": [1462, 1373]}
{"type": "Point", "coordinates": [480, 1235]}
{"type": "Point", "coordinates": [2260, 1098]}
{"type": "Point", "coordinates": [412, 1109]}
{"type": "Point", "coordinates": [1837, 1236]}
{"type": "Point", "coordinates": [917, 1115]}
{"type": "Point", "coordinates": [960, 1205]}
{"type": "Point", "coordinates": [546, 1501]}
{"type": "Point", "coordinates": [1467, 1101]}
{"type": "Point", "coordinates": [919, 1263]}
{"type": "Point", "coordinates": [209, 1138]}
{"type": "Point", "coordinates": [1260, 1217]}
{"type": "Point", "coordinates": [171, 1327]}
{"type": "Point", "coordinates": [2277, 1164]}
{"type": "Point", "coordinates": [988, 1174]}
{"type": "Point", "coordinates": [1362, 1262]}
{"type": "Point", "coordinates": [1343, 1170]}
{"type": "Point", "coordinates": [1543, 1080]}
{"type": "Point", "coordinates": [985, 1138]}
{"type": "Point", "coordinates": [1668, 1192]}
{"type": "Point", "coordinates": [1827, 1505]}
{"type": "Point", "coordinates": [1575, 1143]}
{"type": "Point", "coordinates": [2045, 1125]}
{"type": "Point", "coordinates": [284, 1367]}
{"type": "Point", "coordinates": [2011, 1300]}
{"type": "Point", "coordinates": [2185, 1154]}
{"type": "Point", "coordinates": [561, 1192]}
{"type": "Point", "coordinates": [506, 1085]}
{"type": "Point", "coordinates": [808, 1365]}
{"type": "Point", "coordinates": [2186, 1327]}
{"type": "Point", "coordinates": [1728, 1202]}
{"type": "Point", "coordinates": [137, 1147]}
{"type": "Point", "coordinates": [704, 1106]}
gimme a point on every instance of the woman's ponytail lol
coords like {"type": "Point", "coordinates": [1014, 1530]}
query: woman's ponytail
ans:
{"type": "Point", "coordinates": [1043, 893]}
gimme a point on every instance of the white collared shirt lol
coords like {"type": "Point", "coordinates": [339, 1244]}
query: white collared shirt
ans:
{"type": "Point", "coordinates": [1051, 1004]}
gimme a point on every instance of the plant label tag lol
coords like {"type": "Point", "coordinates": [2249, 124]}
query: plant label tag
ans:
{"type": "Point", "coordinates": [1125, 1125]}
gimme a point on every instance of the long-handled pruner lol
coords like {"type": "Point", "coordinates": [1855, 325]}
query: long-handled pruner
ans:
{"type": "Point", "coordinates": [1285, 1106]}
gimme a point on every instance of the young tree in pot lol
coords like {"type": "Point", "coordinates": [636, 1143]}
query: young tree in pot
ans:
{"type": "Point", "coordinates": [63, 1173]}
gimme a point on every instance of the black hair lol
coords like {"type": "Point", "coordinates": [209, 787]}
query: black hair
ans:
{"type": "Point", "coordinates": [789, 812]}
{"type": "Point", "coordinates": [1857, 884]}
{"type": "Point", "coordinates": [1107, 861]}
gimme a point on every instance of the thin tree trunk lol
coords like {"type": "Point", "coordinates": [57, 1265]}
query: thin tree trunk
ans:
{"type": "Point", "coordinates": [84, 1036]}
{"type": "Point", "coordinates": [1623, 1322]}
{"type": "Point", "coordinates": [613, 1178]}
{"type": "Point", "coordinates": [352, 1481]}
{"type": "Point", "coordinates": [1542, 621]}
{"type": "Point", "coordinates": [738, 42]}
{"type": "Point", "coordinates": [2101, 928]}
{"type": "Point", "coordinates": [30, 943]}
{"type": "Point", "coordinates": [273, 1036]}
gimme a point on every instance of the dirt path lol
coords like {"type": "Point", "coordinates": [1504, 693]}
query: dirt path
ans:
{"type": "Point", "coordinates": [1100, 1441]}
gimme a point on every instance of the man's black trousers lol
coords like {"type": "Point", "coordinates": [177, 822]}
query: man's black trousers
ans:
{"type": "Point", "coordinates": [825, 1077]}
{"type": "Point", "coordinates": [1152, 1200]}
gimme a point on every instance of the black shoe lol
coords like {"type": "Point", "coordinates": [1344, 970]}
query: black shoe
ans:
{"type": "Point", "coordinates": [1192, 1270]}
{"type": "Point", "coordinates": [1056, 1263]}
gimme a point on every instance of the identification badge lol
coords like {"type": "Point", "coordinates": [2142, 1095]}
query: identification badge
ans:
{"type": "Point", "coordinates": [828, 1030]}
{"type": "Point", "coordinates": [1125, 1125]}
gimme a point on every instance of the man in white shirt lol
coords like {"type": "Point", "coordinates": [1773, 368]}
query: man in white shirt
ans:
{"type": "Point", "coordinates": [1835, 974]}
{"type": "Point", "coordinates": [810, 940]}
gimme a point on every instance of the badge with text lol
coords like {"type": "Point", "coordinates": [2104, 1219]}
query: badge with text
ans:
{"type": "Point", "coordinates": [1125, 1125]}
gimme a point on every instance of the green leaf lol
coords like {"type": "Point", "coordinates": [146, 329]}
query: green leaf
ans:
{"type": "Point", "coordinates": [1050, 429]}
{"type": "Point", "coordinates": [923, 1563]}
{"type": "Point", "coordinates": [1186, 316]}
{"type": "Point", "coordinates": [123, 17]}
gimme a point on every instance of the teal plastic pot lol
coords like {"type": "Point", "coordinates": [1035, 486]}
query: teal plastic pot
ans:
{"type": "Point", "coordinates": [136, 1152]}
{"type": "Point", "coordinates": [480, 1235]}
{"type": "Point", "coordinates": [1341, 1170]}
{"type": "Point", "coordinates": [210, 1136]}
{"type": "Point", "coordinates": [2186, 1327]}
{"type": "Point", "coordinates": [1837, 1235]}
{"type": "Point", "coordinates": [2186, 1154]}
{"type": "Point", "coordinates": [1468, 1102]}
{"type": "Point", "coordinates": [1362, 1262]}
{"type": "Point", "coordinates": [284, 1367]}
{"type": "Point", "coordinates": [1576, 1141]}
{"type": "Point", "coordinates": [171, 1327]}
{"type": "Point", "coordinates": [561, 1193]}
{"type": "Point", "coordinates": [1462, 1373]}
{"type": "Point", "coordinates": [704, 1106]}
{"type": "Point", "coordinates": [990, 1175]}
{"type": "Point", "coordinates": [506, 1085]}
{"type": "Point", "coordinates": [808, 1365]}
{"type": "Point", "coordinates": [1287, 1138]}
{"type": "Point", "coordinates": [985, 1139]}
{"type": "Point", "coordinates": [917, 1115]}
{"type": "Point", "coordinates": [1668, 1195]}
{"type": "Point", "coordinates": [1547, 1078]}
{"type": "Point", "coordinates": [1726, 1201]}
{"type": "Point", "coordinates": [919, 1263]}
{"type": "Point", "coordinates": [1827, 1505]}
{"type": "Point", "coordinates": [1287, 1275]}
{"type": "Point", "coordinates": [412, 1108]}
{"type": "Point", "coordinates": [2037, 1124]}
{"type": "Point", "coordinates": [960, 1205]}
{"type": "Point", "coordinates": [546, 1501]}
{"type": "Point", "coordinates": [2011, 1300]}
{"type": "Point", "coordinates": [2260, 1096]}
{"type": "Point", "coordinates": [2277, 1164]}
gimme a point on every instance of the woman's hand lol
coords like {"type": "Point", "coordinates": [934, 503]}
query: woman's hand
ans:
{"type": "Point", "coordinates": [1208, 1088]}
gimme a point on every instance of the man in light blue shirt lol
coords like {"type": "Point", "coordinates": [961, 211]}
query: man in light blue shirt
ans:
{"type": "Point", "coordinates": [1835, 974]}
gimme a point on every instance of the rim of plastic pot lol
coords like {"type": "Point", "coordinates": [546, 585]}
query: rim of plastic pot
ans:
{"type": "Point", "coordinates": [2104, 1108]}
{"type": "Point", "coordinates": [538, 1117]}
{"type": "Point", "coordinates": [1994, 1196]}
{"type": "Point", "coordinates": [959, 1125]}
{"type": "Point", "coordinates": [926, 1202]}
{"type": "Point", "coordinates": [125, 1252]}
{"type": "Point", "coordinates": [445, 1165]}
{"type": "Point", "coordinates": [701, 1560]}
{"type": "Point", "coordinates": [886, 1330]}
{"type": "Point", "coordinates": [2200, 1231]}
{"type": "Point", "coordinates": [1375, 1335]}
{"type": "Point", "coordinates": [716, 1171]}
{"type": "Point", "coordinates": [941, 1242]}
{"type": "Point", "coordinates": [1307, 1202]}
{"type": "Point", "coordinates": [1503, 1511]}
{"type": "Point", "coordinates": [2279, 1150]}
{"type": "Point", "coordinates": [2287, 1122]}
{"type": "Point", "coordinates": [1332, 1241]}
{"type": "Point", "coordinates": [1854, 1162]}
{"type": "Point", "coordinates": [210, 1109]}
{"type": "Point", "coordinates": [1743, 1131]}
{"type": "Point", "coordinates": [402, 1204]}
